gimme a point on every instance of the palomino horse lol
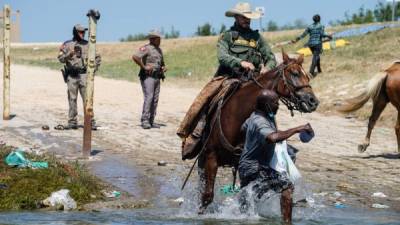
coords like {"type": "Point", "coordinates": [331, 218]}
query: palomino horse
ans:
{"type": "Point", "coordinates": [291, 83]}
{"type": "Point", "coordinates": [382, 88]}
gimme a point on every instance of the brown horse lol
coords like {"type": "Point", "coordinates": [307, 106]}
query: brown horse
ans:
{"type": "Point", "coordinates": [382, 88]}
{"type": "Point", "coordinates": [291, 83]}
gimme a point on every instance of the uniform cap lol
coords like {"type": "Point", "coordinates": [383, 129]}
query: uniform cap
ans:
{"type": "Point", "coordinates": [154, 34]}
{"type": "Point", "coordinates": [79, 27]}
{"type": "Point", "coordinates": [243, 9]}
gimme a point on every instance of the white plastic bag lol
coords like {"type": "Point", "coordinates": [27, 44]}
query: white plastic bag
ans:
{"type": "Point", "coordinates": [282, 162]}
{"type": "Point", "coordinates": [59, 198]}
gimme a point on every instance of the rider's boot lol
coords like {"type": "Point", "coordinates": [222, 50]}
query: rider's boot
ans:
{"type": "Point", "coordinates": [191, 145]}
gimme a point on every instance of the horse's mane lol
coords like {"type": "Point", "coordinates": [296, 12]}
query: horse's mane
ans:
{"type": "Point", "coordinates": [393, 67]}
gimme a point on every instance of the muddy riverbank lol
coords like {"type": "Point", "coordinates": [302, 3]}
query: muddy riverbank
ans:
{"type": "Point", "coordinates": [126, 155]}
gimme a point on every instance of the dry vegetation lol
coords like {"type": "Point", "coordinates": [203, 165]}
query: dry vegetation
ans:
{"type": "Point", "coordinates": [193, 61]}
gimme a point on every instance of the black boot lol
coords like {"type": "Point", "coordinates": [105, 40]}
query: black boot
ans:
{"type": "Point", "coordinates": [146, 125]}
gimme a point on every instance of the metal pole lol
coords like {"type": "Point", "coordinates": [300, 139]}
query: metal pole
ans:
{"type": "Point", "coordinates": [6, 62]}
{"type": "Point", "coordinates": [88, 114]}
{"type": "Point", "coordinates": [393, 9]}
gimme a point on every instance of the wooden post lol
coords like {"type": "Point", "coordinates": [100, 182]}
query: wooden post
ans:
{"type": "Point", "coordinates": [91, 64]}
{"type": "Point", "coordinates": [6, 62]}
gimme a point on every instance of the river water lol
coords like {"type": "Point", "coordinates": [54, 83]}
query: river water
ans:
{"type": "Point", "coordinates": [172, 217]}
{"type": "Point", "coordinates": [224, 211]}
{"type": "Point", "coordinates": [318, 209]}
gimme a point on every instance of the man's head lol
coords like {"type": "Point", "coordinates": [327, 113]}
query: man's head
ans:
{"type": "Point", "coordinates": [316, 18]}
{"type": "Point", "coordinates": [268, 101]}
{"type": "Point", "coordinates": [154, 38]}
{"type": "Point", "coordinates": [243, 14]}
{"type": "Point", "coordinates": [242, 21]}
{"type": "Point", "coordinates": [79, 32]}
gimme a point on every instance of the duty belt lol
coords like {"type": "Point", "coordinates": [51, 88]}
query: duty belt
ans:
{"type": "Point", "coordinates": [75, 72]}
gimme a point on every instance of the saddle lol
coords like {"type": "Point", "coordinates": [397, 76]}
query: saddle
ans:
{"type": "Point", "coordinates": [212, 115]}
{"type": "Point", "coordinates": [205, 112]}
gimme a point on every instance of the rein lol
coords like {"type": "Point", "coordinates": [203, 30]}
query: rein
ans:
{"type": "Point", "coordinates": [291, 102]}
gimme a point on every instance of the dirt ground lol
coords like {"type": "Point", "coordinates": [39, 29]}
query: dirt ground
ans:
{"type": "Point", "coordinates": [329, 163]}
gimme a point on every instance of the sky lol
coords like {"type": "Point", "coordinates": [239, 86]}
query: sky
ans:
{"type": "Point", "coordinates": [52, 20]}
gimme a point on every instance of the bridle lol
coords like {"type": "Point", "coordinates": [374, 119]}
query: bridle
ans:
{"type": "Point", "coordinates": [292, 102]}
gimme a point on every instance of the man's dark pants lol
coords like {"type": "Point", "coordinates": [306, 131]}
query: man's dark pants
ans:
{"type": "Point", "coordinates": [264, 181]}
{"type": "Point", "coordinates": [316, 51]}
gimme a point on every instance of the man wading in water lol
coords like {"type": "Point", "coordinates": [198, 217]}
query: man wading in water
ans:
{"type": "Point", "coordinates": [261, 136]}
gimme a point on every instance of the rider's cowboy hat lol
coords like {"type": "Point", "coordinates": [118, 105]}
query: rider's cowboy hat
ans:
{"type": "Point", "coordinates": [243, 9]}
{"type": "Point", "coordinates": [154, 34]}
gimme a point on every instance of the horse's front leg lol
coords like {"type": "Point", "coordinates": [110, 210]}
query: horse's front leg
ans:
{"type": "Point", "coordinates": [379, 105]}
{"type": "Point", "coordinates": [210, 172]}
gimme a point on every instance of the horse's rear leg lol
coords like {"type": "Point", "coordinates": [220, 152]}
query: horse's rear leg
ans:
{"type": "Point", "coordinates": [210, 172]}
{"type": "Point", "coordinates": [379, 105]}
{"type": "Point", "coordinates": [397, 128]}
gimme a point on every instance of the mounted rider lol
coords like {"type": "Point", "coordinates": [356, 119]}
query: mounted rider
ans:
{"type": "Point", "coordinates": [240, 50]}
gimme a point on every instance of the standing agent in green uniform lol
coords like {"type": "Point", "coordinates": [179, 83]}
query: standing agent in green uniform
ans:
{"type": "Point", "coordinates": [74, 54]}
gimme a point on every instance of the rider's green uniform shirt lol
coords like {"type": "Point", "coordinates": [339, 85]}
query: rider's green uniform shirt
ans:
{"type": "Point", "coordinates": [238, 44]}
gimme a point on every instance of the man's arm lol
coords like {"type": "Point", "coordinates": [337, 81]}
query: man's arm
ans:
{"type": "Point", "coordinates": [138, 61]}
{"type": "Point", "coordinates": [97, 59]}
{"type": "Point", "coordinates": [64, 54]}
{"type": "Point", "coordinates": [267, 54]}
{"type": "Point", "coordinates": [306, 31]}
{"type": "Point", "coordinates": [163, 67]}
{"type": "Point", "coordinates": [283, 135]}
{"type": "Point", "coordinates": [325, 34]}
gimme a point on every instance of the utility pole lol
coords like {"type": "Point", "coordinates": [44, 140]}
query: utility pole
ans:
{"type": "Point", "coordinates": [261, 10]}
{"type": "Point", "coordinates": [393, 9]}
{"type": "Point", "coordinates": [94, 16]}
{"type": "Point", "coordinates": [6, 62]}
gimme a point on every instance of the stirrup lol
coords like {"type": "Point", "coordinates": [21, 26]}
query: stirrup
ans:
{"type": "Point", "coordinates": [190, 147]}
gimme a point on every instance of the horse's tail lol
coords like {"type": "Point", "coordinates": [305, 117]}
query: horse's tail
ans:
{"type": "Point", "coordinates": [372, 90]}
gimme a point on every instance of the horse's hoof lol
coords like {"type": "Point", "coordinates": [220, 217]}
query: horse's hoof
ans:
{"type": "Point", "coordinates": [202, 210]}
{"type": "Point", "coordinates": [362, 148]}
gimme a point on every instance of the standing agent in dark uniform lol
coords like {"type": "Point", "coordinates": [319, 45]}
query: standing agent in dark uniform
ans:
{"type": "Point", "coordinates": [74, 54]}
{"type": "Point", "coordinates": [152, 68]}
{"type": "Point", "coordinates": [317, 33]}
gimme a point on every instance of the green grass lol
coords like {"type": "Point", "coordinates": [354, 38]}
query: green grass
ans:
{"type": "Point", "coordinates": [27, 187]}
{"type": "Point", "coordinates": [45, 57]}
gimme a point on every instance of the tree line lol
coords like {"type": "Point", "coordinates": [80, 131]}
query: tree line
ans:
{"type": "Point", "coordinates": [172, 33]}
{"type": "Point", "coordinates": [381, 13]}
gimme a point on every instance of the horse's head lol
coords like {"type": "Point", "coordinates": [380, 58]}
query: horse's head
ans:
{"type": "Point", "coordinates": [294, 87]}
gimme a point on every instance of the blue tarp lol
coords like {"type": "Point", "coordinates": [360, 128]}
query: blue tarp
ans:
{"type": "Point", "coordinates": [362, 30]}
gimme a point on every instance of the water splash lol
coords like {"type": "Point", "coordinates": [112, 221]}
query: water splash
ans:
{"type": "Point", "coordinates": [229, 207]}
